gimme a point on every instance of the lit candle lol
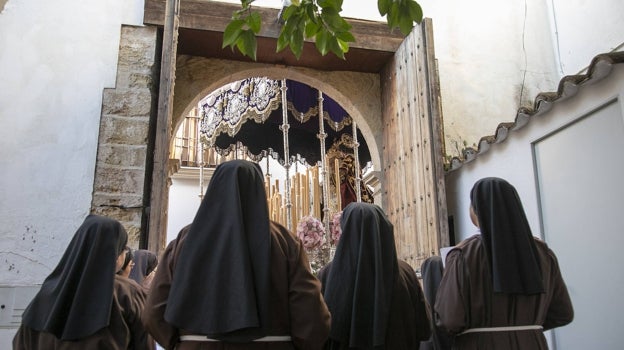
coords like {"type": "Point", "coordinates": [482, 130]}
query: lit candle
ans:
{"type": "Point", "coordinates": [337, 172]}
{"type": "Point", "coordinates": [315, 190]}
{"type": "Point", "coordinates": [301, 196]}
{"type": "Point", "coordinates": [267, 190]}
{"type": "Point", "coordinates": [293, 216]}
{"type": "Point", "coordinates": [306, 189]}
{"type": "Point", "coordinates": [283, 220]}
{"type": "Point", "coordinates": [297, 210]}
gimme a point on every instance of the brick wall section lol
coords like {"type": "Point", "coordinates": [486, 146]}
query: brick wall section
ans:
{"type": "Point", "coordinates": [120, 172]}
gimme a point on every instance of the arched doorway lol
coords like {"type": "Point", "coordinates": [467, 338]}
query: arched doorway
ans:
{"type": "Point", "coordinates": [276, 124]}
{"type": "Point", "coordinates": [388, 84]}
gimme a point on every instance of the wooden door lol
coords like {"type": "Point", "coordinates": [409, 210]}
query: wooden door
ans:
{"type": "Point", "coordinates": [414, 194]}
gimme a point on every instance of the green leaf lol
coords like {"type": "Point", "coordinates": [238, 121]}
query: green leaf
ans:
{"type": "Point", "coordinates": [238, 14]}
{"type": "Point", "coordinates": [405, 24]}
{"type": "Point", "coordinates": [326, 4]}
{"type": "Point", "coordinates": [296, 43]}
{"type": "Point", "coordinates": [344, 46]}
{"type": "Point", "coordinates": [393, 15]}
{"type": "Point", "coordinates": [254, 21]}
{"type": "Point", "coordinates": [240, 45]}
{"type": "Point", "coordinates": [246, 3]}
{"type": "Point", "coordinates": [290, 10]}
{"type": "Point", "coordinates": [311, 29]}
{"type": "Point", "coordinates": [282, 41]}
{"type": "Point", "coordinates": [310, 12]}
{"type": "Point", "coordinates": [291, 26]}
{"type": "Point", "coordinates": [321, 41]}
{"type": "Point", "coordinates": [383, 6]}
{"type": "Point", "coordinates": [232, 32]}
{"type": "Point", "coordinates": [335, 47]}
{"type": "Point", "coordinates": [334, 21]}
{"type": "Point", "coordinates": [415, 11]}
{"type": "Point", "coordinates": [335, 4]}
{"type": "Point", "coordinates": [247, 44]}
{"type": "Point", "coordinates": [302, 23]}
{"type": "Point", "coordinates": [346, 36]}
{"type": "Point", "coordinates": [303, 19]}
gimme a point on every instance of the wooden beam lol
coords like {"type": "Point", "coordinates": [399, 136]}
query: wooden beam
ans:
{"type": "Point", "coordinates": [214, 16]}
{"type": "Point", "coordinates": [157, 232]}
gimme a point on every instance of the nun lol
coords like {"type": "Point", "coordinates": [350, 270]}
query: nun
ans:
{"type": "Point", "coordinates": [145, 263]}
{"type": "Point", "coordinates": [83, 304]}
{"type": "Point", "coordinates": [375, 299]}
{"type": "Point", "coordinates": [502, 288]}
{"type": "Point", "coordinates": [233, 279]}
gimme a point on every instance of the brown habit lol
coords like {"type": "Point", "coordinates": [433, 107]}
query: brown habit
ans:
{"type": "Point", "coordinates": [466, 300]}
{"type": "Point", "coordinates": [124, 331]}
{"type": "Point", "coordinates": [408, 322]}
{"type": "Point", "coordinates": [375, 299]}
{"type": "Point", "coordinates": [296, 301]}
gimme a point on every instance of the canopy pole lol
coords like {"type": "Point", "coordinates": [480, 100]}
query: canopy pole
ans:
{"type": "Point", "coordinates": [358, 176]}
{"type": "Point", "coordinates": [285, 126]}
{"type": "Point", "coordinates": [201, 171]}
{"type": "Point", "coordinates": [322, 135]}
{"type": "Point", "coordinates": [199, 154]}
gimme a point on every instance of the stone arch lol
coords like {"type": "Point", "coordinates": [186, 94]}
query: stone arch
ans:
{"type": "Point", "coordinates": [197, 77]}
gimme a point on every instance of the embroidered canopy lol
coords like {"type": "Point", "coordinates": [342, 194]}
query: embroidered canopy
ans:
{"type": "Point", "coordinates": [249, 111]}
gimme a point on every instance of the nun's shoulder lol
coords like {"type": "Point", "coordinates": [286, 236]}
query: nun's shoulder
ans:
{"type": "Point", "coordinates": [405, 266]}
{"type": "Point", "coordinates": [468, 243]}
{"type": "Point", "coordinates": [543, 246]}
{"type": "Point", "coordinates": [283, 236]}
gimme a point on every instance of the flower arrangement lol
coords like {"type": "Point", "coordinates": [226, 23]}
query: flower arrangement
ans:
{"type": "Point", "coordinates": [311, 231]}
{"type": "Point", "coordinates": [334, 228]}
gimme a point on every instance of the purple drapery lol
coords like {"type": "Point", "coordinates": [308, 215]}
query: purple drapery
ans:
{"type": "Point", "coordinates": [261, 133]}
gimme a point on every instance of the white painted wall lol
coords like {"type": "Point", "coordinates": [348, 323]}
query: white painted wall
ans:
{"type": "Point", "coordinates": [56, 58]}
{"type": "Point", "coordinates": [493, 56]}
{"type": "Point", "coordinates": [582, 29]}
{"type": "Point", "coordinates": [585, 236]}
{"type": "Point", "coordinates": [184, 201]}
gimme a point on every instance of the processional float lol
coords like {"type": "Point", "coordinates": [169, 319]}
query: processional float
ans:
{"type": "Point", "coordinates": [274, 118]}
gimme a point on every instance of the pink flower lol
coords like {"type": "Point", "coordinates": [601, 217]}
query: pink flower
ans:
{"type": "Point", "coordinates": [311, 232]}
{"type": "Point", "coordinates": [334, 228]}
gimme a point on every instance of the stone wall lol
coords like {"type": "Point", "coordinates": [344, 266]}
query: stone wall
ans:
{"type": "Point", "coordinates": [123, 165]}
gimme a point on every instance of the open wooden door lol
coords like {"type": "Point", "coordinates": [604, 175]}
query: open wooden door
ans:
{"type": "Point", "coordinates": [414, 195]}
{"type": "Point", "coordinates": [157, 231]}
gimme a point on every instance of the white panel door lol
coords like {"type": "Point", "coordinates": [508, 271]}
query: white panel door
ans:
{"type": "Point", "coordinates": [580, 175]}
